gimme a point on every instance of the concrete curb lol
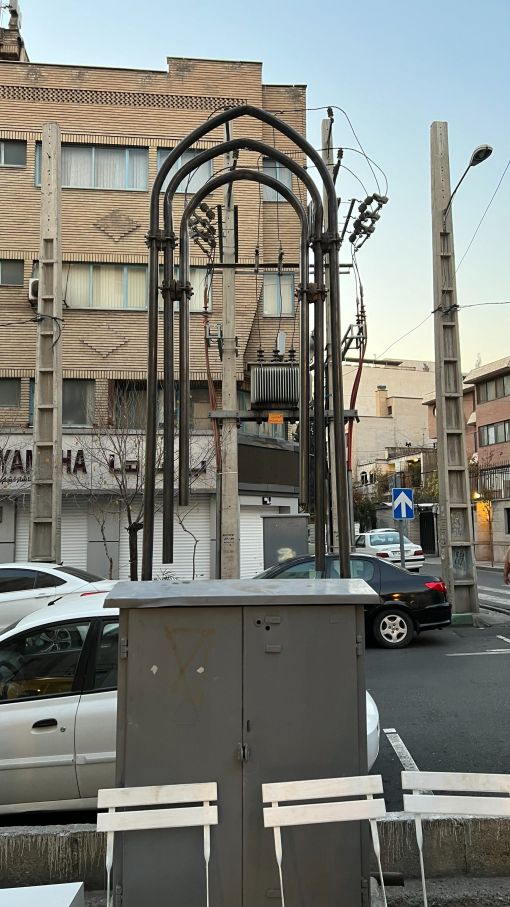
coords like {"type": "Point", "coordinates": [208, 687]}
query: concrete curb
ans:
{"type": "Point", "coordinates": [454, 847]}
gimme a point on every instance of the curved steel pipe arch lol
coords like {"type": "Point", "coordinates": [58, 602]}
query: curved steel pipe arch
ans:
{"type": "Point", "coordinates": [156, 240]}
{"type": "Point", "coordinates": [232, 176]}
{"type": "Point", "coordinates": [317, 220]}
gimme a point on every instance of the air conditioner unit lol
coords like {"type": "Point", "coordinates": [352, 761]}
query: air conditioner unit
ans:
{"type": "Point", "coordinates": [33, 289]}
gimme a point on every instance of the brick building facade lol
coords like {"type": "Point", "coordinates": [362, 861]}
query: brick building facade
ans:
{"type": "Point", "coordinates": [117, 127]}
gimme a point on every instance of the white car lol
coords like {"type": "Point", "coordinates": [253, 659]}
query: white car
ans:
{"type": "Point", "coordinates": [386, 543]}
{"type": "Point", "coordinates": [58, 705]}
{"type": "Point", "coordinates": [27, 587]}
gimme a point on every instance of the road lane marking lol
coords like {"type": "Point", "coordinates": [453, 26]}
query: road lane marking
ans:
{"type": "Point", "coordinates": [505, 639]}
{"type": "Point", "coordinates": [401, 750]}
{"type": "Point", "coordinates": [502, 588]}
{"type": "Point", "coordinates": [488, 652]}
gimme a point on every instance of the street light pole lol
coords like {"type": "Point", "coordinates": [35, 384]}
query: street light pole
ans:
{"type": "Point", "coordinates": [455, 528]}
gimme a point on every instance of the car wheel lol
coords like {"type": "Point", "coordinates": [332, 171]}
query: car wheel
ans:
{"type": "Point", "coordinates": [393, 629]}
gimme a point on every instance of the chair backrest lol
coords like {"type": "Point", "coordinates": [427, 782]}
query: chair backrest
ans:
{"type": "Point", "coordinates": [425, 801]}
{"type": "Point", "coordinates": [458, 801]}
{"type": "Point", "coordinates": [346, 810]}
{"type": "Point", "coordinates": [360, 805]}
{"type": "Point", "coordinates": [132, 818]}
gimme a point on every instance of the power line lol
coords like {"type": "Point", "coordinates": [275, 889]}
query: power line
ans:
{"type": "Point", "coordinates": [493, 196]}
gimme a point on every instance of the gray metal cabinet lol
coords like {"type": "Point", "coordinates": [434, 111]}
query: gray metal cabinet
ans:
{"type": "Point", "coordinates": [241, 683]}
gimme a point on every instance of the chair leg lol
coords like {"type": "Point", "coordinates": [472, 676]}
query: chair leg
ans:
{"type": "Point", "coordinates": [279, 859]}
{"type": "Point", "coordinates": [419, 841]}
{"type": "Point", "coordinates": [377, 851]}
{"type": "Point", "coordinates": [207, 854]}
{"type": "Point", "coordinates": [109, 864]}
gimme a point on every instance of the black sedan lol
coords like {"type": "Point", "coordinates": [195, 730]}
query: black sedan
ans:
{"type": "Point", "coordinates": [409, 602]}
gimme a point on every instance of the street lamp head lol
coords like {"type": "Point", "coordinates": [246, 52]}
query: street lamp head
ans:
{"type": "Point", "coordinates": [480, 154]}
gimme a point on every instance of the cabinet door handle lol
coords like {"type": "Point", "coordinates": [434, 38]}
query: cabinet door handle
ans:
{"type": "Point", "coordinates": [243, 752]}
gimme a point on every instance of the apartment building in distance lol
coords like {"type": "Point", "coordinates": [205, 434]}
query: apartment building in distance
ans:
{"type": "Point", "coordinates": [391, 415]}
{"type": "Point", "coordinates": [117, 127]}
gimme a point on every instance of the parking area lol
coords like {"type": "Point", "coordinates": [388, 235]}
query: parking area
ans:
{"type": "Point", "coordinates": [444, 702]}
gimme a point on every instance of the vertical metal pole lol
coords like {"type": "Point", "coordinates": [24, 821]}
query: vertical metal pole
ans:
{"type": "Point", "coordinates": [400, 524]}
{"type": "Point", "coordinates": [168, 409]}
{"type": "Point", "coordinates": [455, 529]}
{"type": "Point", "coordinates": [340, 464]}
{"type": "Point", "coordinates": [327, 156]}
{"type": "Point", "coordinates": [152, 403]}
{"type": "Point", "coordinates": [46, 496]}
{"type": "Point", "coordinates": [184, 382]}
{"type": "Point", "coordinates": [319, 415]}
{"type": "Point", "coordinates": [230, 529]}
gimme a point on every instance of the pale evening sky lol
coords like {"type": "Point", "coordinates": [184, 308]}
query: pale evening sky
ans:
{"type": "Point", "coordinates": [394, 67]}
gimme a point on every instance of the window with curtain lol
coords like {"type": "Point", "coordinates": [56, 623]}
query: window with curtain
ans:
{"type": "Point", "coordinates": [13, 154]}
{"type": "Point", "coordinates": [10, 391]}
{"type": "Point", "coordinates": [195, 180]}
{"type": "Point", "coordinates": [128, 404]}
{"type": "Point", "coordinates": [78, 401]}
{"type": "Point", "coordinates": [278, 294]}
{"type": "Point", "coordinates": [102, 286]}
{"type": "Point", "coordinates": [278, 172]}
{"type": "Point", "coordinates": [198, 280]}
{"type": "Point", "coordinates": [100, 167]}
{"type": "Point", "coordinates": [11, 272]}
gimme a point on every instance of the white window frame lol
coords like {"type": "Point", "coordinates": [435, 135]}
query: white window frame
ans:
{"type": "Point", "coordinates": [280, 172]}
{"type": "Point", "coordinates": [287, 302]}
{"type": "Point", "coordinates": [10, 260]}
{"type": "Point", "coordinates": [195, 180]}
{"type": "Point", "coordinates": [3, 143]}
{"type": "Point", "coordinates": [127, 149]}
{"type": "Point", "coordinates": [197, 276]}
{"type": "Point", "coordinates": [125, 268]}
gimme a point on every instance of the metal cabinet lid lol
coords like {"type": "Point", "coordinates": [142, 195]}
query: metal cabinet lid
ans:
{"type": "Point", "coordinates": [240, 593]}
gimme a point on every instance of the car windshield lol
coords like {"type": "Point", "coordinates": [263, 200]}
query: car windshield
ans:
{"type": "Point", "coordinates": [80, 574]}
{"type": "Point", "coordinates": [386, 538]}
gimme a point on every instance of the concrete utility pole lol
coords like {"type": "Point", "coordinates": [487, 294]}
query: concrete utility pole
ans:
{"type": "Point", "coordinates": [46, 497]}
{"type": "Point", "coordinates": [327, 156]}
{"type": "Point", "coordinates": [455, 528]}
{"type": "Point", "coordinates": [230, 531]}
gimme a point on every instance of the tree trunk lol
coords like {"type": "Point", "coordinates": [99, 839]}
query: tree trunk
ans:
{"type": "Point", "coordinates": [133, 553]}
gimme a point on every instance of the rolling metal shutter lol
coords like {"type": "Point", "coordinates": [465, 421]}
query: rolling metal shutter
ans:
{"type": "Point", "coordinates": [22, 529]}
{"type": "Point", "coordinates": [196, 520]}
{"type": "Point", "coordinates": [252, 539]}
{"type": "Point", "coordinates": [74, 533]}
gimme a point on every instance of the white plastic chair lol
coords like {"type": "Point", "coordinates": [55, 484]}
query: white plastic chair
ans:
{"type": "Point", "coordinates": [277, 816]}
{"type": "Point", "coordinates": [128, 799]}
{"type": "Point", "coordinates": [424, 802]}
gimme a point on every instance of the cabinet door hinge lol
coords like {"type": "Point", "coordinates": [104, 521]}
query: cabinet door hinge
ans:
{"type": "Point", "coordinates": [243, 752]}
{"type": "Point", "coordinates": [118, 896]}
{"type": "Point", "coordinates": [123, 648]}
{"type": "Point", "coordinates": [359, 645]}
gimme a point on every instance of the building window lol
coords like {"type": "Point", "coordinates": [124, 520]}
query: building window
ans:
{"type": "Point", "coordinates": [507, 520]}
{"type": "Point", "coordinates": [198, 279]}
{"type": "Point", "coordinates": [278, 294]}
{"type": "Point", "coordinates": [10, 392]}
{"type": "Point", "coordinates": [278, 172]}
{"type": "Point", "coordinates": [78, 402]}
{"type": "Point", "coordinates": [195, 180]}
{"type": "Point", "coordinates": [200, 408]}
{"type": "Point", "coordinates": [493, 389]}
{"type": "Point", "coordinates": [13, 154]}
{"type": "Point", "coordinates": [11, 272]}
{"type": "Point", "coordinates": [128, 405]}
{"type": "Point", "coordinates": [100, 167]}
{"type": "Point", "coordinates": [497, 433]}
{"type": "Point", "coordinates": [99, 286]}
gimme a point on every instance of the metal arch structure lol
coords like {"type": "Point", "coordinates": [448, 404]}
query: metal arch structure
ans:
{"type": "Point", "coordinates": [327, 244]}
{"type": "Point", "coordinates": [304, 420]}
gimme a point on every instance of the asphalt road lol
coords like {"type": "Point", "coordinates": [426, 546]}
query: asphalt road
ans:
{"type": "Point", "coordinates": [446, 696]}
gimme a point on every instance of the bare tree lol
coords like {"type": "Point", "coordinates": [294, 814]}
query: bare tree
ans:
{"type": "Point", "coordinates": [115, 450]}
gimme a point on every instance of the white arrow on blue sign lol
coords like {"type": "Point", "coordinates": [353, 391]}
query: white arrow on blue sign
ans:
{"type": "Point", "coordinates": [402, 500]}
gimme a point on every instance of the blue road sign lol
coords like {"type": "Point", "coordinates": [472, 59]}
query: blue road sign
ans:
{"type": "Point", "coordinates": [402, 500]}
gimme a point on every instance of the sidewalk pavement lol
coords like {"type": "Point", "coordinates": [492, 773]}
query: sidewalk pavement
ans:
{"type": "Point", "coordinates": [441, 893]}
{"type": "Point", "coordinates": [486, 565]}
